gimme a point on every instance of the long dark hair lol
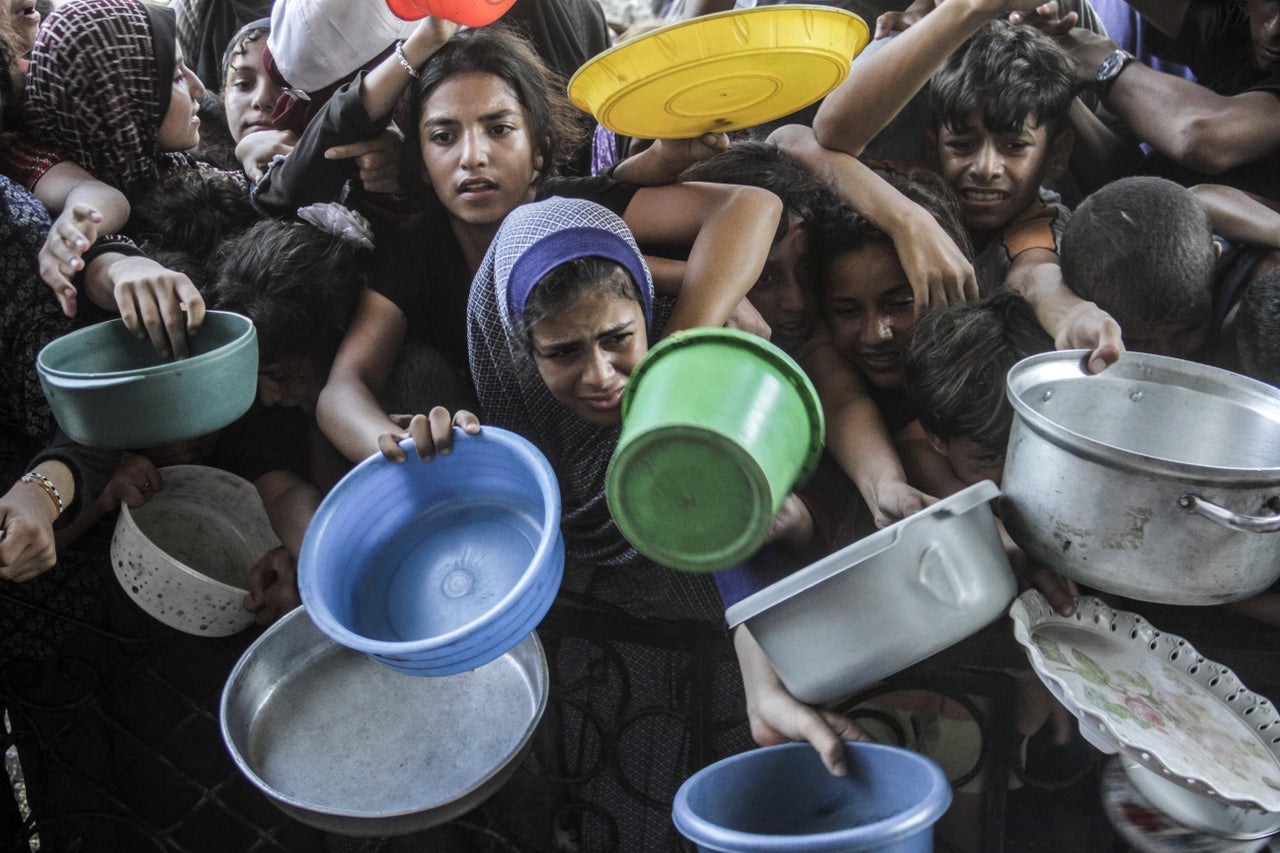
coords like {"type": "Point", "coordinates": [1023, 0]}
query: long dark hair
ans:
{"type": "Point", "coordinates": [552, 121]}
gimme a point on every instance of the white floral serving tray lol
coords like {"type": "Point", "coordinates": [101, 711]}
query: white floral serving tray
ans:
{"type": "Point", "coordinates": [1151, 696]}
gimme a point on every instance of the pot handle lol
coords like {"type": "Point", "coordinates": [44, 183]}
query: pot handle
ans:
{"type": "Point", "coordinates": [1227, 518]}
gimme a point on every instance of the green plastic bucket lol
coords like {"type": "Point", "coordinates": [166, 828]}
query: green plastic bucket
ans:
{"type": "Point", "coordinates": [718, 427]}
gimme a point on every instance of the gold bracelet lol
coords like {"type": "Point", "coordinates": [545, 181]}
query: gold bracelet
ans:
{"type": "Point", "coordinates": [49, 489]}
{"type": "Point", "coordinates": [404, 63]}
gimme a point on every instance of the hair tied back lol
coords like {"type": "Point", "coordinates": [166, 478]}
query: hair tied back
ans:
{"type": "Point", "coordinates": [341, 222]}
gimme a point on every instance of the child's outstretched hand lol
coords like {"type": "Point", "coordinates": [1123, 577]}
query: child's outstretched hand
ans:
{"type": "Point", "coordinates": [1086, 326]}
{"type": "Point", "coordinates": [895, 500]}
{"type": "Point", "coordinates": [72, 233]}
{"type": "Point", "coordinates": [1047, 18]}
{"type": "Point", "coordinates": [273, 586]}
{"type": "Point", "coordinates": [432, 433]}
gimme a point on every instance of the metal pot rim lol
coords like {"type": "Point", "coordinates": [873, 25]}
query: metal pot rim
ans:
{"type": "Point", "coordinates": [1068, 365]}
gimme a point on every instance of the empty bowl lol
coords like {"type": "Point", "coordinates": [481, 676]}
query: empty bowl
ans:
{"type": "Point", "coordinates": [887, 601]}
{"type": "Point", "coordinates": [718, 426]}
{"type": "Point", "coordinates": [348, 746]}
{"type": "Point", "coordinates": [109, 389]}
{"type": "Point", "coordinates": [185, 556]}
{"type": "Point", "coordinates": [781, 798]}
{"type": "Point", "coordinates": [435, 568]}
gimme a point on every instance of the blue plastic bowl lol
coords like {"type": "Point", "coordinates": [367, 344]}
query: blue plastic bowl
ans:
{"type": "Point", "coordinates": [441, 567]}
{"type": "Point", "coordinates": [782, 799]}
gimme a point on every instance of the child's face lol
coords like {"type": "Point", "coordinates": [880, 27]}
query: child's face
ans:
{"type": "Point", "coordinates": [996, 176]}
{"type": "Point", "coordinates": [784, 292]}
{"type": "Point", "coordinates": [291, 382]}
{"type": "Point", "coordinates": [249, 94]}
{"type": "Point", "coordinates": [972, 462]}
{"type": "Point", "coordinates": [180, 130]}
{"type": "Point", "coordinates": [26, 21]}
{"type": "Point", "coordinates": [1178, 339]}
{"type": "Point", "coordinates": [585, 354]}
{"type": "Point", "coordinates": [871, 311]}
{"type": "Point", "coordinates": [476, 148]}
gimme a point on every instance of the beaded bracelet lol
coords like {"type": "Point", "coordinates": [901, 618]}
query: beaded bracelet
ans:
{"type": "Point", "coordinates": [404, 63]}
{"type": "Point", "coordinates": [49, 488]}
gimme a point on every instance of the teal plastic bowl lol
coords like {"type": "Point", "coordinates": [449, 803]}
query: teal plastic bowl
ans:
{"type": "Point", "coordinates": [109, 389]}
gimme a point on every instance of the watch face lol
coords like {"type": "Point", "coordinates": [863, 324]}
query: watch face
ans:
{"type": "Point", "coordinates": [1111, 65]}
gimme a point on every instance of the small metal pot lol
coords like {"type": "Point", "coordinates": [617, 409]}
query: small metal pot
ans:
{"type": "Point", "coordinates": [1158, 479]}
{"type": "Point", "coordinates": [344, 744]}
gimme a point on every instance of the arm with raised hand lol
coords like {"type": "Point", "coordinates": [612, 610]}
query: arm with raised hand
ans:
{"type": "Point", "coordinates": [864, 103]}
{"type": "Point", "coordinates": [729, 230]}
{"type": "Point", "coordinates": [938, 270]}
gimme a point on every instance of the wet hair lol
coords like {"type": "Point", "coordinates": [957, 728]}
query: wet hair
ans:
{"type": "Point", "coordinates": [297, 283]}
{"type": "Point", "coordinates": [571, 281]}
{"type": "Point", "coordinates": [554, 125]}
{"type": "Point", "coordinates": [955, 366]}
{"type": "Point", "coordinates": [1257, 328]}
{"type": "Point", "coordinates": [849, 231]}
{"type": "Point", "coordinates": [193, 211]}
{"type": "Point", "coordinates": [1014, 73]}
{"type": "Point", "coordinates": [239, 44]}
{"type": "Point", "coordinates": [1142, 249]}
{"type": "Point", "coordinates": [763, 164]}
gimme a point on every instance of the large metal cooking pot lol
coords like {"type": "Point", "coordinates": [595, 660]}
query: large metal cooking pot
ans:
{"type": "Point", "coordinates": [1157, 479]}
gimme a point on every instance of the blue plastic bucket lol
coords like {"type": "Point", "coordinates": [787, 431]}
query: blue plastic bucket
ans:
{"type": "Point", "coordinates": [440, 567]}
{"type": "Point", "coordinates": [781, 799]}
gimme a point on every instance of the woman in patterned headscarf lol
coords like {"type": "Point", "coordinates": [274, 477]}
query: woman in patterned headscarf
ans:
{"type": "Point", "coordinates": [107, 86]}
{"type": "Point", "coordinates": [107, 90]}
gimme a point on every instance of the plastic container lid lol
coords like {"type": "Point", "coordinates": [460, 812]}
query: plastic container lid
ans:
{"type": "Point", "coordinates": [720, 72]}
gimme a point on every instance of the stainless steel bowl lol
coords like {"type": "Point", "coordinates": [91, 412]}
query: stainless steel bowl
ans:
{"type": "Point", "coordinates": [347, 745]}
{"type": "Point", "coordinates": [885, 602]}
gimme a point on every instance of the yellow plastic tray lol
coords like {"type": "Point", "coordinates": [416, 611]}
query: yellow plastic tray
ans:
{"type": "Point", "coordinates": [720, 72]}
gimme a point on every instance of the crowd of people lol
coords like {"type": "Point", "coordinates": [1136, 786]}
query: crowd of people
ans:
{"type": "Point", "coordinates": [429, 237]}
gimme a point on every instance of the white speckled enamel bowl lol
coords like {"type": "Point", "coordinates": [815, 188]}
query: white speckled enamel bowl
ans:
{"type": "Point", "coordinates": [185, 556]}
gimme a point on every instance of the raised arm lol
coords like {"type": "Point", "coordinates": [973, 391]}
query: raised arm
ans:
{"type": "Point", "coordinates": [729, 230]}
{"type": "Point", "coordinates": [938, 270]}
{"type": "Point", "coordinates": [1238, 216]}
{"type": "Point", "coordinates": [865, 103]}
{"type": "Point", "coordinates": [1185, 121]}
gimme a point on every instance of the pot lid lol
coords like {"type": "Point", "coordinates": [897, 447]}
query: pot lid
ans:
{"type": "Point", "coordinates": [1152, 697]}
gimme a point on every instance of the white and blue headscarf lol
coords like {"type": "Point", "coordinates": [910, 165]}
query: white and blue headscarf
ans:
{"type": "Point", "coordinates": [534, 239]}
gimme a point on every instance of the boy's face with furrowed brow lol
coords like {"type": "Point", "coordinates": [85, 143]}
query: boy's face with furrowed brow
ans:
{"type": "Point", "coordinates": [997, 175]}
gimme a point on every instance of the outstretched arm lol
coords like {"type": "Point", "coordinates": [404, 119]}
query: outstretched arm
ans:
{"type": "Point", "coordinates": [1073, 322]}
{"type": "Point", "coordinates": [729, 230]}
{"type": "Point", "coordinates": [864, 103]}
{"type": "Point", "coordinates": [1185, 121]}
{"type": "Point", "coordinates": [85, 208]}
{"type": "Point", "coordinates": [936, 267]}
{"type": "Point", "coordinates": [1238, 216]}
{"type": "Point", "coordinates": [857, 437]}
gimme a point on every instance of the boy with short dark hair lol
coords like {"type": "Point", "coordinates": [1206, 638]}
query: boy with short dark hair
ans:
{"type": "Point", "coordinates": [954, 372]}
{"type": "Point", "coordinates": [1142, 248]}
{"type": "Point", "coordinates": [1001, 101]}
